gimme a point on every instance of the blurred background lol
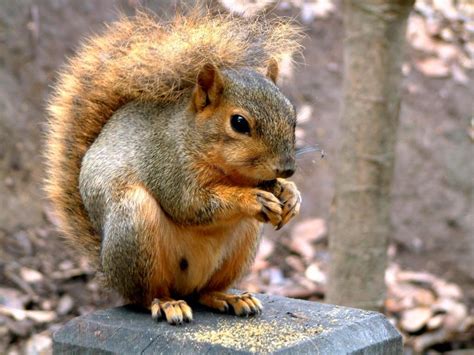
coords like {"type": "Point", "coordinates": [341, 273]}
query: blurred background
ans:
{"type": "Point", "coordinates": [430, 276]}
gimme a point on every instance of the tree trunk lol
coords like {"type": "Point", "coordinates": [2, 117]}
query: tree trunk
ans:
{"type": "Point", "coordinates": [360, 224]}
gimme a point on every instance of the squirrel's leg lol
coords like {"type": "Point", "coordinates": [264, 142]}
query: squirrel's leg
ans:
{"type": "Point", "coordinates": [277, 203]}
{"type": "Point", "coordinates": [134, 256]}
{"type": "Point", "coordinates": [232, 269]}
{"type": "Point", "coordinates": [252, 202]}
{"type": "Point", "coordinates": [223, 203]}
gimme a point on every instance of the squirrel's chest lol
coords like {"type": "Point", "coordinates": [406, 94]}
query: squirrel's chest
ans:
{"type": "Point", "coordinates": [198, 256]}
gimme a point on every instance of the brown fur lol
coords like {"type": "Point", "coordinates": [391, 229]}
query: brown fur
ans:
{"type": "Point", "coordinates": [141, 59]}
{"type": "Point", "coordinates": [216, 255]}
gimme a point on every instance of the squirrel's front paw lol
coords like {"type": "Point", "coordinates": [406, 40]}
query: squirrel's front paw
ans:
{"type": "Point", "coordinates": [175, 312]}
{"type": "Point", "coordinates": [290, 197]}
{"type": "Point", "coordinates": [268, 208]}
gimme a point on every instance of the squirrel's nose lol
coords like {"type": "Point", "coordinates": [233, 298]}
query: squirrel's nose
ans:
{"type": "Point", "coordinates": [287, 168]}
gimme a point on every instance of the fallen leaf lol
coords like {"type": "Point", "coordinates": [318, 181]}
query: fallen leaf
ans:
{"type": "Point", "coordinates": [323, 8]}
{"type": "Point", "coordinates": [423, 278]}
{"type": "Point", "coordinates": [304, 234]}
{"type": "Point", "coordinates": [30, 275]}
{"type": "Point", "coordinates": [424, 297]}
{"type": "Point", "coordinates": [300, 137]}
{"type": "Point", "coordinates": [433, 67]}
{"type": "Point", "coordinates": [391, 274]}
{"type": "Point", "coordinates": [466, 62]}
{"type": "Point", "coordinates": [404, 292]}
{"type": "Point", "coordinates": [447, 9]}
{"type": "Point", "coordinates": [65, 305]}
{"type": "Point", "coordinates": [11, 272]}
{"type": "Point", "coordinates": [418, 36]}
{"type": "Point", "coordinates": [295, 263]}
{"type": "Point", "coordinates": [39, 344]}
{"type": "Point", "coordinates": [304, 114]}
{"type": "Point", "coordinates": [266, 248]}
{"type": "Point", "coordinates": [15, 313]}
{"type": "Point", "coordinates": [66, 265]}
{"type": "Point", "coordinates": [319, 9]}
{"type": "Point", "coordinates": [12, 298]}
{"type": "Point", "coordinates": [299, 291]}
{"type": "Point", "coordinates": [20, 314]}
{"type": "Point", "coordinates": [393, 306]}
{"type": "Point", "coordinates": [455, 317]}
{"type": "Point", "coordinates": [447, 34]}
{"type": "Point", "coordinates": [273, 276]}
{"type": "Point", "coordinates": [21, 328]}
{"type": "Point", "coordinates": [4, 336]}
{"type": "Point", "coordinates": [459, 75]}
{"type": "Point", "coordinates": [447, 290]}
{"type": "Point", "coordinates": [311, 230]}
{"type": "Point", "coordinates": [264, 251]}
{"type": "Point", "coordinates": [245, 8]}
{"type": "Point", "coordinates": [429, 339]}
{"type": "Point", "coordinates": [314, 273]}
{"type": "Point", "coordinates": [447, 52]}
{"type": "Point", "coordinates": [414, 319]}
{"type": "Point", "coordinates": [435, 322]}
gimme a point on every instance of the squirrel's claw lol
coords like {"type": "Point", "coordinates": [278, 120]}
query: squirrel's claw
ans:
{"type": "Point", "coordinates": [270, 208]}
{"type": "Point", "coordinates": [291, 200]}
{"type": "Point", "coordinates": [243, 305]}
{"type": "Point", "coordinates": [155, 310]}
{"type": "Point", "coordinates": [175, 312]}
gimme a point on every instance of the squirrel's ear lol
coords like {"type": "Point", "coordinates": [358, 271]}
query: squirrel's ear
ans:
{"type": "Point", "coordinates": [272, 70]}
{"type": "Point", "coordinates": [208, 88]}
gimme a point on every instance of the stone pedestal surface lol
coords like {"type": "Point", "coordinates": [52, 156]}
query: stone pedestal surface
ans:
{"type": "Point", "coordinates": [285, 326]}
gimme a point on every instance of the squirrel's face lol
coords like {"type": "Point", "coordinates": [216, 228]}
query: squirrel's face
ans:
{"type": "Point", "coordinates": [248, 122]}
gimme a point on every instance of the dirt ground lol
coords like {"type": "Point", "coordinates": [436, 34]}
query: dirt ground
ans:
{"type": "Point", "coordinates": [433, 188]}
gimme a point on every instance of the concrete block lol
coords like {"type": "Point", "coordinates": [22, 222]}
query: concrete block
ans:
{"type": "Point", "coordinates": [285, 326]}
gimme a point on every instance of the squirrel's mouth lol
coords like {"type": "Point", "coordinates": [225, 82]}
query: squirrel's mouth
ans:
{"type": "Point", "coordinates": [248, 180]}
{"type": "Point", "coordinates": [267, 184]}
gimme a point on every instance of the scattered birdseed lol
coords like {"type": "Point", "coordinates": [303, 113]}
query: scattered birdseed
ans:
{"type": "Point", "coordinates": [255, 335]}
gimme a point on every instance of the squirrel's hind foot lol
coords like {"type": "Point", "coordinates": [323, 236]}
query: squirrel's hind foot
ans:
{"type": "Point", "coordinates": [242, 305]}
{"type": "Point", "coordinates": [175, 312]}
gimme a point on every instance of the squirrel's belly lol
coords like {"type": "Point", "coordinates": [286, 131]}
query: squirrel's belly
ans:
{"type": "Point", "coordinates": [198, 254]}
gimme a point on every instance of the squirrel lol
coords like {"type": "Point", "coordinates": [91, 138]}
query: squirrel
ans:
{"type": "Point", "coordinates": [168, 145]}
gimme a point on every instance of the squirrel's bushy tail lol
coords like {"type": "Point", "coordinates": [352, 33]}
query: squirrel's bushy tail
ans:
{"type": "Point", "coordinates": [141, 59]}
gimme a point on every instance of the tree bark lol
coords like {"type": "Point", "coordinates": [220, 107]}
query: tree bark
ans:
{"type": "Point", "coordinates": [360, 223]}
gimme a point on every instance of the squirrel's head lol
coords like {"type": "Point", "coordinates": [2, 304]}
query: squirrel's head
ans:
{"type": "Point", "coordinates": [251, 121]}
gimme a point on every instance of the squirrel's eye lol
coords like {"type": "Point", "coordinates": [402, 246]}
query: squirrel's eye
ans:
{"type": "Point", "coordinates": [240, 124]}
